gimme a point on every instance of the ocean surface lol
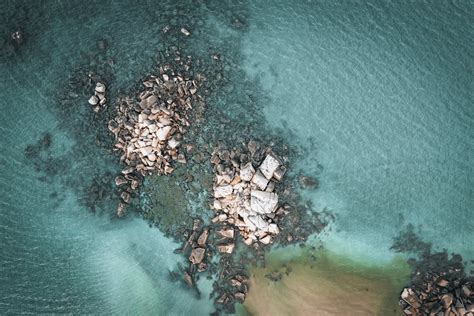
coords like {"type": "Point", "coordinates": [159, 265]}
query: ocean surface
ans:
{"type": "Point", "coordinates": [377, 96]}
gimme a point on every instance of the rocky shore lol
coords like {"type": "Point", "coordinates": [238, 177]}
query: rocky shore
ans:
{"type": "Point", "coordinates": [439, 295]}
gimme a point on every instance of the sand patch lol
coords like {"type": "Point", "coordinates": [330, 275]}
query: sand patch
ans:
{"type": "Point", "coordinates": [327, 286]}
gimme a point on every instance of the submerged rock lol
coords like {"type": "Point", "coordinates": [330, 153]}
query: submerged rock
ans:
{"type": "Point", "coordinates": [229, 248]}
{"type": "Point", "coordinates": [226, 233]}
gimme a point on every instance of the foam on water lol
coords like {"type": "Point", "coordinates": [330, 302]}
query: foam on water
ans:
{"type": "Point", "coordinates": [379, 95]}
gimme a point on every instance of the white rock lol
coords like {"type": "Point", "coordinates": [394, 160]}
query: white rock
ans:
{"type": "Point", "coordinates": [100, 87]}
{"type": "Point", "coordinates": [222, 191]}
{"type": "Point", "coordinates": [152, 128]}
{"type": "Point", "coordinates": [146, 150]}
{"type": "Point", "coordinates": [164, 121]}
{"type": "Point", "coordinates": [163, 132]}
{"type": "Point", "coordinates": [152, 157]}
{"type": "Point", "coordinates": [260, 180]}
{"type": "Point", "coordinates": [263, 202]}
{"type": "Point", "coordinates": [93, 100]}
{"type": "Point", "coordinates": [247, 172]}
{"type": "Point", "coordinates": [266, 240]}
{"type": "Point", "coordinates": [217, 205]}
{"type": "Point", "coordinates": [173, 143]}
{"type": "Point", "coordinates": [273, 229]}
{"type": "Point", "coordinates": [249, 224]}
{"type": "Point", "coordinates": [259, 222]}
{"type": "Point", "coordinates": [226, 232]}
{"type": "Point", "coordinates": [269, 165]}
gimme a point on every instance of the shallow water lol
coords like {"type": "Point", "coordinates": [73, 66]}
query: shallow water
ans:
{"type": "Point", "coordinates": [377, 96]}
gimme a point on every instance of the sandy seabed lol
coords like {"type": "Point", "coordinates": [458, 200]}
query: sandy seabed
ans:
{"type": "Point", "coordinates": [326, 287]}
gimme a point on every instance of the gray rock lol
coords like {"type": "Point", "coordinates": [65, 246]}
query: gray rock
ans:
{"type": "Point", "coordinates": [222, 191]}
{"type": "Point", "coordinates": [197, 255]}
{"type": "Point", "coordinates": [269, 165]}
{"type": "Point", "coordinates": [93, 100]}
{"type": "Point", "coordinates": [247, 172]}
{"type": "Point", "coordinates": [260, 180]}
{"type": "Point", "coordinates": [263, 202]}
{"type": "Point", "coordinates": [229, 248]}
{"type": "Point", "coordinates": [185, 31]}
{"type": "Point", "coordinates": [100, 87]}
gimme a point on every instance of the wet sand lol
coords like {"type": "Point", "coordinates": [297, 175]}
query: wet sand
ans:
{"type": "Point", "coordinates": [327, 286]}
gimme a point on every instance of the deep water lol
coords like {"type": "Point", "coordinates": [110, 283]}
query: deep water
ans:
{"type": "Point", "coordinates": [375, 96]}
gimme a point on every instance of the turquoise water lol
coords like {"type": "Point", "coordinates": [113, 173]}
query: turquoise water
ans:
{"type": "Point", "coordinates": [377, 96]}
{"type": "Point", "coordinates": [384, 94]}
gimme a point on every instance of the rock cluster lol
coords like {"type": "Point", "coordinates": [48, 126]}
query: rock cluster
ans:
{"type": "Point", "coordinates": [244, 194]}
{"type": "Point", "coordinates": [438, 296]}
{"type": "Point", "coordinates": [196, 249]}
{"type": "Point", "coordinates": [17, 36]}
{"type": "Point", "coordinates": [149, 131]}
{"type": "Point", "coordinates": [98, 99]}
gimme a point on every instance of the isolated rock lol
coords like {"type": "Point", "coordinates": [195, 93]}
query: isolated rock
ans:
{"type": "Point", "coordinates": [185, 31]}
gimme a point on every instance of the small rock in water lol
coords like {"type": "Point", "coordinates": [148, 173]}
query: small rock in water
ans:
{"type": "Point", "coordinates": [100, 87]}
{"type": "Point", "coordinates": [120, 210]}
{"type": "Point", "coordinates": [308, 182]}
{"type": "Point", "coordinates": [17, 36]}
{"type": "Point", "coordinates": [185, 31]}
{"type": "Point", "coordinates": [93, 100]}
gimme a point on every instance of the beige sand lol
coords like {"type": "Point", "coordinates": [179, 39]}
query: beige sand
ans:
{"type": "Point", "coordinates": [318, 291]}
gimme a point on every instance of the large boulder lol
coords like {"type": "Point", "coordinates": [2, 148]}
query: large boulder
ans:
{"type": "Point", "coordinates": [263, 202]}
{"type": "Point", "coordinates": [269, 165]}
{"type": "Point", "coordinates": [260, 180]}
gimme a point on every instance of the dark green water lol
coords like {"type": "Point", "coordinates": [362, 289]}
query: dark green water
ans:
{"type": "Point", "coordinates": [377, 95]}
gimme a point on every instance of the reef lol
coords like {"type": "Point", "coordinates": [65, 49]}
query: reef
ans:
{"type": "Point", "coordinates": [438, 284]}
